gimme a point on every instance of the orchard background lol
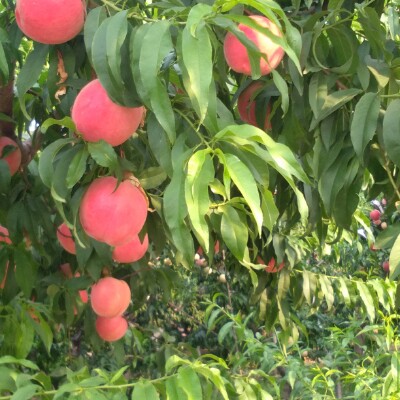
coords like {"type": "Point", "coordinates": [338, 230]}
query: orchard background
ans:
{"type": "Point", "coordinates": [272, 200]}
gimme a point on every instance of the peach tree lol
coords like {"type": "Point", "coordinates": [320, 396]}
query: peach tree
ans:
{"type": "Point", "coordinates": [138, 132]}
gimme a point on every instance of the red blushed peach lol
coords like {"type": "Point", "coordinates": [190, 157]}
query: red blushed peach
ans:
{"type": "Point", "coordinates": [64, 236]}
{"type": "Point", "coordinates": [111, 214]}
{"type": "Point", "coordinates": [236, 53]}
{"type": "Point", "coordinates": [247, 106]}
{"type": "Point", "coordinates": [111, 329]}
{"type": "Point", "coordinates": [97, 117]}
{"type": "Point", "coordinates": [386, 266]}
{"type": "Point", "coordinates": [132, 251]}
{"type": "Point", "coordinates": [4, 237]}
{"type": "Point", "coordinates": [271, 266]}
{"type": "Point", "coordinates": [13, 159]}
{"type": "Point", "coordinates": [110, 297]}
{"type": "Point", "coordinates": [375, 215]}
{"type": "Point", "coordinates": [50, 21]}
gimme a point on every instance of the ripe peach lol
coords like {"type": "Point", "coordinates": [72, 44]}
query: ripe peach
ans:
{"type": "Point", "coordinates": [65, 238]}
{"type": "Point", "coordinates": [385, 266]}
{"type": "Point", "coordinates": [111, 214]}
{"type": "Point", "coordinates": [271, 267]}
{"type": "Point", "coordinates": [110, 297]}
{"type": "Point", "coordinates": [13, 159]}
{"type": "Point", "coordinates": [4, 238]}
{"type": "Point", "coordinates": [131, 251]}
{"type": "Point", "coordinates": [236, 54]}
{"type": "Point", "coordinates": [375, 215]}
{"type": "Point", "coordinates": [50, 21]}
{"type": "Point", "coordinates": [97, 117]}
{"type": "Point", "coordinates": [247, 106]}
{"type": "Point", "coordinates": [111, 329]}
{"type": "Point", "coordinates": [4, 235]}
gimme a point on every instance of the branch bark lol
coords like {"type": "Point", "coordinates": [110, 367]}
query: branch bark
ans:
{"type": "Point", "coordinates": [6, 107]}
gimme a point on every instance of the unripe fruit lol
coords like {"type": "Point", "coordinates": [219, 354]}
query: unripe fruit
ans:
{"type": "Point", "coordinates": [375, 215]}
{"type": "Point", "coordinates": [222, 278]}
{"type": "Point", "coordinates": [111, 329]}
{"type": "Point", "coordinates": [110, 297]}
{"type": "Point", "coordinates": [384, 225]}
{"type": "Point", "coordinates": [111, 214]}
{"type": "Point", "coordinates": [13, 159]}
{"type": "Point", "coordinates": [50, 21]}
{"type": "Point", "coordinates": [247, 106]}
{"type": "Point", "coordinates": [97, 117]}
{"type": "Point", "coordinates": [131, 251]}
{"type": "Point", "coordinates": [64, 236]}
{"type": "Point", "coordinates": [385, 266]}
{"type": "Point", "coordinates": [236, 53]}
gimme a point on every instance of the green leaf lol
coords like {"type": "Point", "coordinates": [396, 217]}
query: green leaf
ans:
{"type": "Point", "coordinates": [46, 169]}
{"type": "Point", "coordinates": [282, 86]}
{"type": "Point", "coordinates": [394, 259]}
{"type": "Point", "coordinates": [117, 31]}
{"type": "Point", "coordinates": [367, 299]}
{"type": "Point", "coordinates": [174, 392]}
{"type": "Point", "coordinates": [159, 143]}
{"type": "Point", "coordinates": [269, 209]}
{"type": "Point", "coordinates": [103, 153]}
{"type": "Point", "coordinates": [391, 129]}
{"type": "Point", "coordinates": [223, 332]}
{"type": "Point", "coordinates": [308, 290]}
{"type": "Point", "coordinates": [66, 388]}
{"type": "Point", "coordinates": [13, 360]}
{"type": "Point", "coordinates": [66, 121]}
{"type": "Point", "coordinates": [25, 392]}
{"type": "Point", "coordinates": [190, 383]}
{"type": "Point", "coordinates": [174, 204]}
{"type": "Point", "coordinates": [117, 375]}
{"type": "Point", "coordinates": [25, 267]}
{"type": "Point", "coordinates": [152, 177]}
{"type": "Point", "coordinates": [30, 72]}
{"type": "Point", "coordinates": [200, 173]}
{"type": "Point", "coordinates": [244, 181]}
{"type": "Point", "coordinates": [283, 284]}
{"type": "Point", "coordinates": [387, 237]}
{"type": "Point", "coordinates": [234, 231]}
{"type": "Point", "coordinates": [77, 167]}
{"type": "Point", "coordinates": [44, 331]}
{"type": "Point", "coordinates": [101, 64]}
{"type": "Point", "coordinates": [4, 70]}
{"type": "Point", "coordinates": [59, 189]}
{"type": "Point", "coordinates": [149, 46]}
{"type": "Point", "coordinates": [93, 20]}
{"type": "Point", "coordinates": [327, 290]}
{"type": "Point", "coordinates": [333, 102]}
{"type": "Point", "coordinates": [197, 58]}
{"type": "Point", "coordinates": [364, 122]}
{"type": "Point", "coordinates": [214, 375]}
{"type": "Point", "coordinates": [344, 290]}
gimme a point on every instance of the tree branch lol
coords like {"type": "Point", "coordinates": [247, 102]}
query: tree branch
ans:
{"type": "Point", "coordinates": [6, 107]}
